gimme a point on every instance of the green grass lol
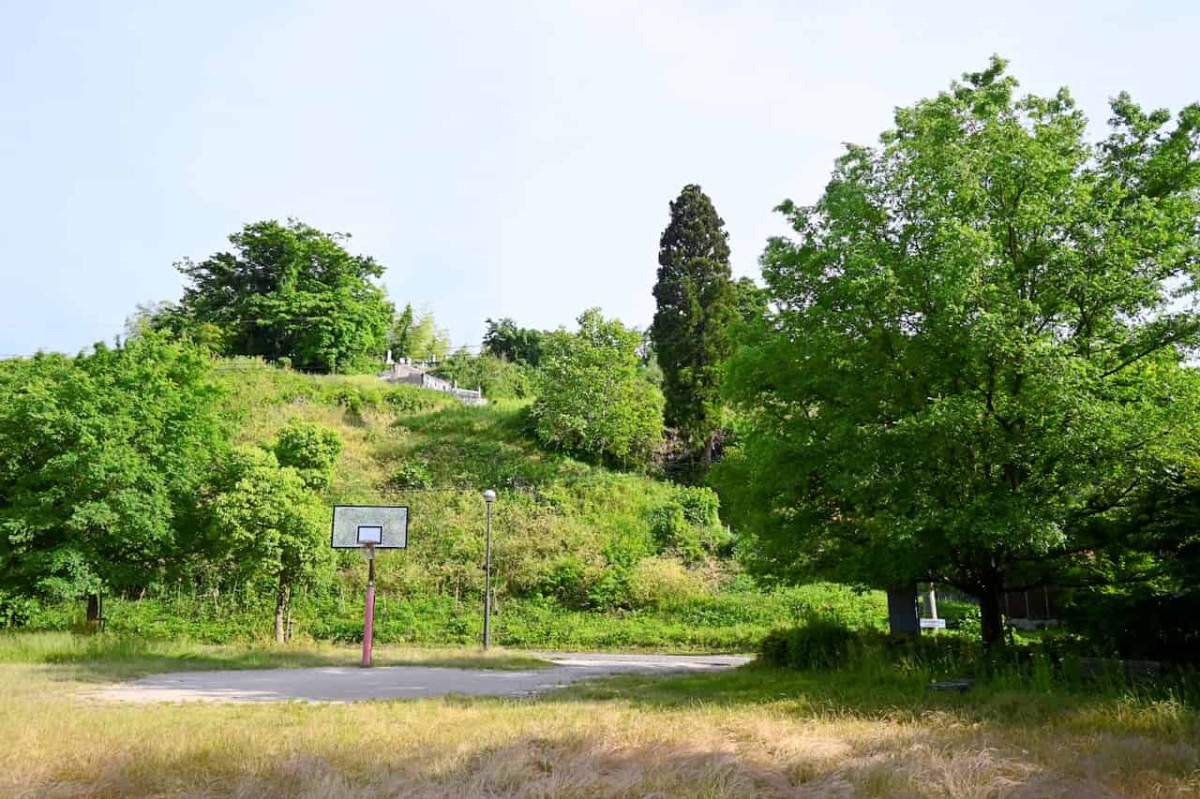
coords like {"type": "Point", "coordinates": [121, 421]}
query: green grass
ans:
{"type": "Point", "coordinates": [111, 657]}
{"type": "Point", "coordinates": [721, 621]}
{"type": "Point", "coordinates": [892, 694]}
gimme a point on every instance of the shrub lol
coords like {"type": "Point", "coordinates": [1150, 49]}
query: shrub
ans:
{"type": "Point", "coordinates": [825, 644]}
{"type": "Point", "coordinates": [410, 399]}
{"type": "Point", "coordinates": [822, 644]}
{"type": "Point", "coordinates": [593, 400]}
{"type": "Point", "coordinates": [16, 610]}
{"type": "Point", "coordinates": [497, 378]}
{"type": "Point", "coordinates": [687, 527]}
{"type": "Point", "coordinates": [565, 581]}
{"type": "Point", "coordinates": [700, 506]}
{"type": "Point", "coordinates": [1139, 626]}
{"type": "Point", "coordinates": [311, 449]}
{"type": "Point", "coordinates": [662, 582]}
{"type": "Point", "coordinates": [609, 590]}
{"type": "Point", "coordinates": [412, 474]}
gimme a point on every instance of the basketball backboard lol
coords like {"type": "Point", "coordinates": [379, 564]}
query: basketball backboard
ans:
{"type": "Point", "coordinates": [379, 526]}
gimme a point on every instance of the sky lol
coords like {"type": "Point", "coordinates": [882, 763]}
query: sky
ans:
{"type": "Point", "coordinates": [500, 159]}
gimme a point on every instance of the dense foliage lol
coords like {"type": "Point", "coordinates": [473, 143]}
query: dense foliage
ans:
{"type": "Point", "coordinates": [100, 458]}
{"type": "Point", "coordinates": [594, 400]}
{"type": "Point", "coordinates": [696, 304]}
{"type": "Point", "coordinates": [286, 292]}
{"type": "Point", "coordinates": [267, 527]}
{"type": "Point", "coordinates": [504, 339]}
{"type": "Point", "coordinates": [976, 367]}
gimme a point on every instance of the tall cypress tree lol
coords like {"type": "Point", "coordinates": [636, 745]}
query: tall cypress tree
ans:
{"type": "Point", "coordinates": [696, 305]}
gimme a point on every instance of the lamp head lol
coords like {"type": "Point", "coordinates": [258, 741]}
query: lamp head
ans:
{"type": "Point", "coordinates": [489, 496]}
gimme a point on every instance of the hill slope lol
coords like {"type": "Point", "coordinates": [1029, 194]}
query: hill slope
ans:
{"type": "Point", "coordinates": [583, 556]}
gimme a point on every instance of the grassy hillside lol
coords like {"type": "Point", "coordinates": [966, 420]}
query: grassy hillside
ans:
{"type": "Point", "coordinates": [584, 556]}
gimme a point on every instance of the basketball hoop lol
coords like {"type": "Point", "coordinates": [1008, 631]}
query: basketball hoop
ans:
{"type": "Point", "coordinates": [368, 528]}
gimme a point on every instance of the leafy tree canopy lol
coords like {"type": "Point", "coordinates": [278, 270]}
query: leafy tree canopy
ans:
{"type": "Point", "coordinates": [594, 401]}
{"type": "Point", "coordinates": [753, 301]}
{"type": "Point", "coordinates": [418, 336]}
{"type": "Point", "coordinates": [505, 340]}
{"type": "Point", "coordinates": [99, 456]}
{"type": "Point", "coordinates": [975, 367]}
{"type": "Point", "coordinates": [286, 292]}
{"type": "Point", "coordinates": [269, 526]}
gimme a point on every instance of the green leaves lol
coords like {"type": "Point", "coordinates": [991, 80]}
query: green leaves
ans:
{"type": "Point", "coordinates": [266, 523]}
{"type": "Point", "coordinates": [311, 449]}
{"type": "Point", "coordinates": [594, 400]}
{"type": "Point", "coordinates": [978, 345]}
{"type": "Point", "coordinates": [286, 291]}
{"type": "Point", "coordinates": [418, 336]}
{"type": "Point", "coordinates": [98, 457]}
{"type": "Point", "coordinates": [505, 340]}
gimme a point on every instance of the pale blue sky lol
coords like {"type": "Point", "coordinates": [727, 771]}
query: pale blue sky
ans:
{"type": "Point", "coordinates": [499, 158]}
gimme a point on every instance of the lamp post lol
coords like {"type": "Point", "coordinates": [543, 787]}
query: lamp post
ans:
{"type": "Point", "coordinates": [489, 497]}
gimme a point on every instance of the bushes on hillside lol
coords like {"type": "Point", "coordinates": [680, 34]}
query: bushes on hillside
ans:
{"type": "Point", "coordinates": [663, 583]}
{"type": "Point", "coordinates": [687, 526]}
{"type": "Point", "coordinates": [311, 449]}
{"type": "Point", "coordinates": [594, 401]}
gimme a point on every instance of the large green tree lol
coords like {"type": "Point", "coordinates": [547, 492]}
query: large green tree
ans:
{"type": "Point", "coordinates": [504, 339]}
{"type": "Point", "coordinates": [287, 291]}
{"type": "Point", "coordinates": [975, 367]}
{"type": "Point", "coordinates": [696, 304]}
{"type": "Point", "coordinates": [594, 400]}
{"type": "Point", "coordinates": [417, 336]}
{"type": "Point", "coordinates": [267, 526]}
{"type": "Point", "coordinates": [101, 457]}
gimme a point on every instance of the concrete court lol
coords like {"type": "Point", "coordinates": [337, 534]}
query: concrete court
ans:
{"type": "Point", "coordinates": [350, 684]}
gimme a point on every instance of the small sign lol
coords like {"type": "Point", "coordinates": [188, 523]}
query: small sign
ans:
{"type": "Point", "coordinates": [933, 624]}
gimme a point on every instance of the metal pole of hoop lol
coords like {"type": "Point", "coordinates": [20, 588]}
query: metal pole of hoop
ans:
{"type": "Point", "coordinates": [369, 611]}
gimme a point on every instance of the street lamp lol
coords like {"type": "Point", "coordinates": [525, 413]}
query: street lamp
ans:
{"type": "Point", "coordinates": [489, 497]}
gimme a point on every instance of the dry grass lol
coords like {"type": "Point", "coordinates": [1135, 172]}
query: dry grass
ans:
{"type": "Point", "coordinates": [631, 738]}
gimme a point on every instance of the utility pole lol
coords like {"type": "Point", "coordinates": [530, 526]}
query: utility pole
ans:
{"type": "Point", "coordinates": [489, 497]}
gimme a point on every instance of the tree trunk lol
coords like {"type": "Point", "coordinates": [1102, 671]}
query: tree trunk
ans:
{"type": "Point", "coordinates": [93, 612]}
{"type": "Point", "coordinates": [281, 606]}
